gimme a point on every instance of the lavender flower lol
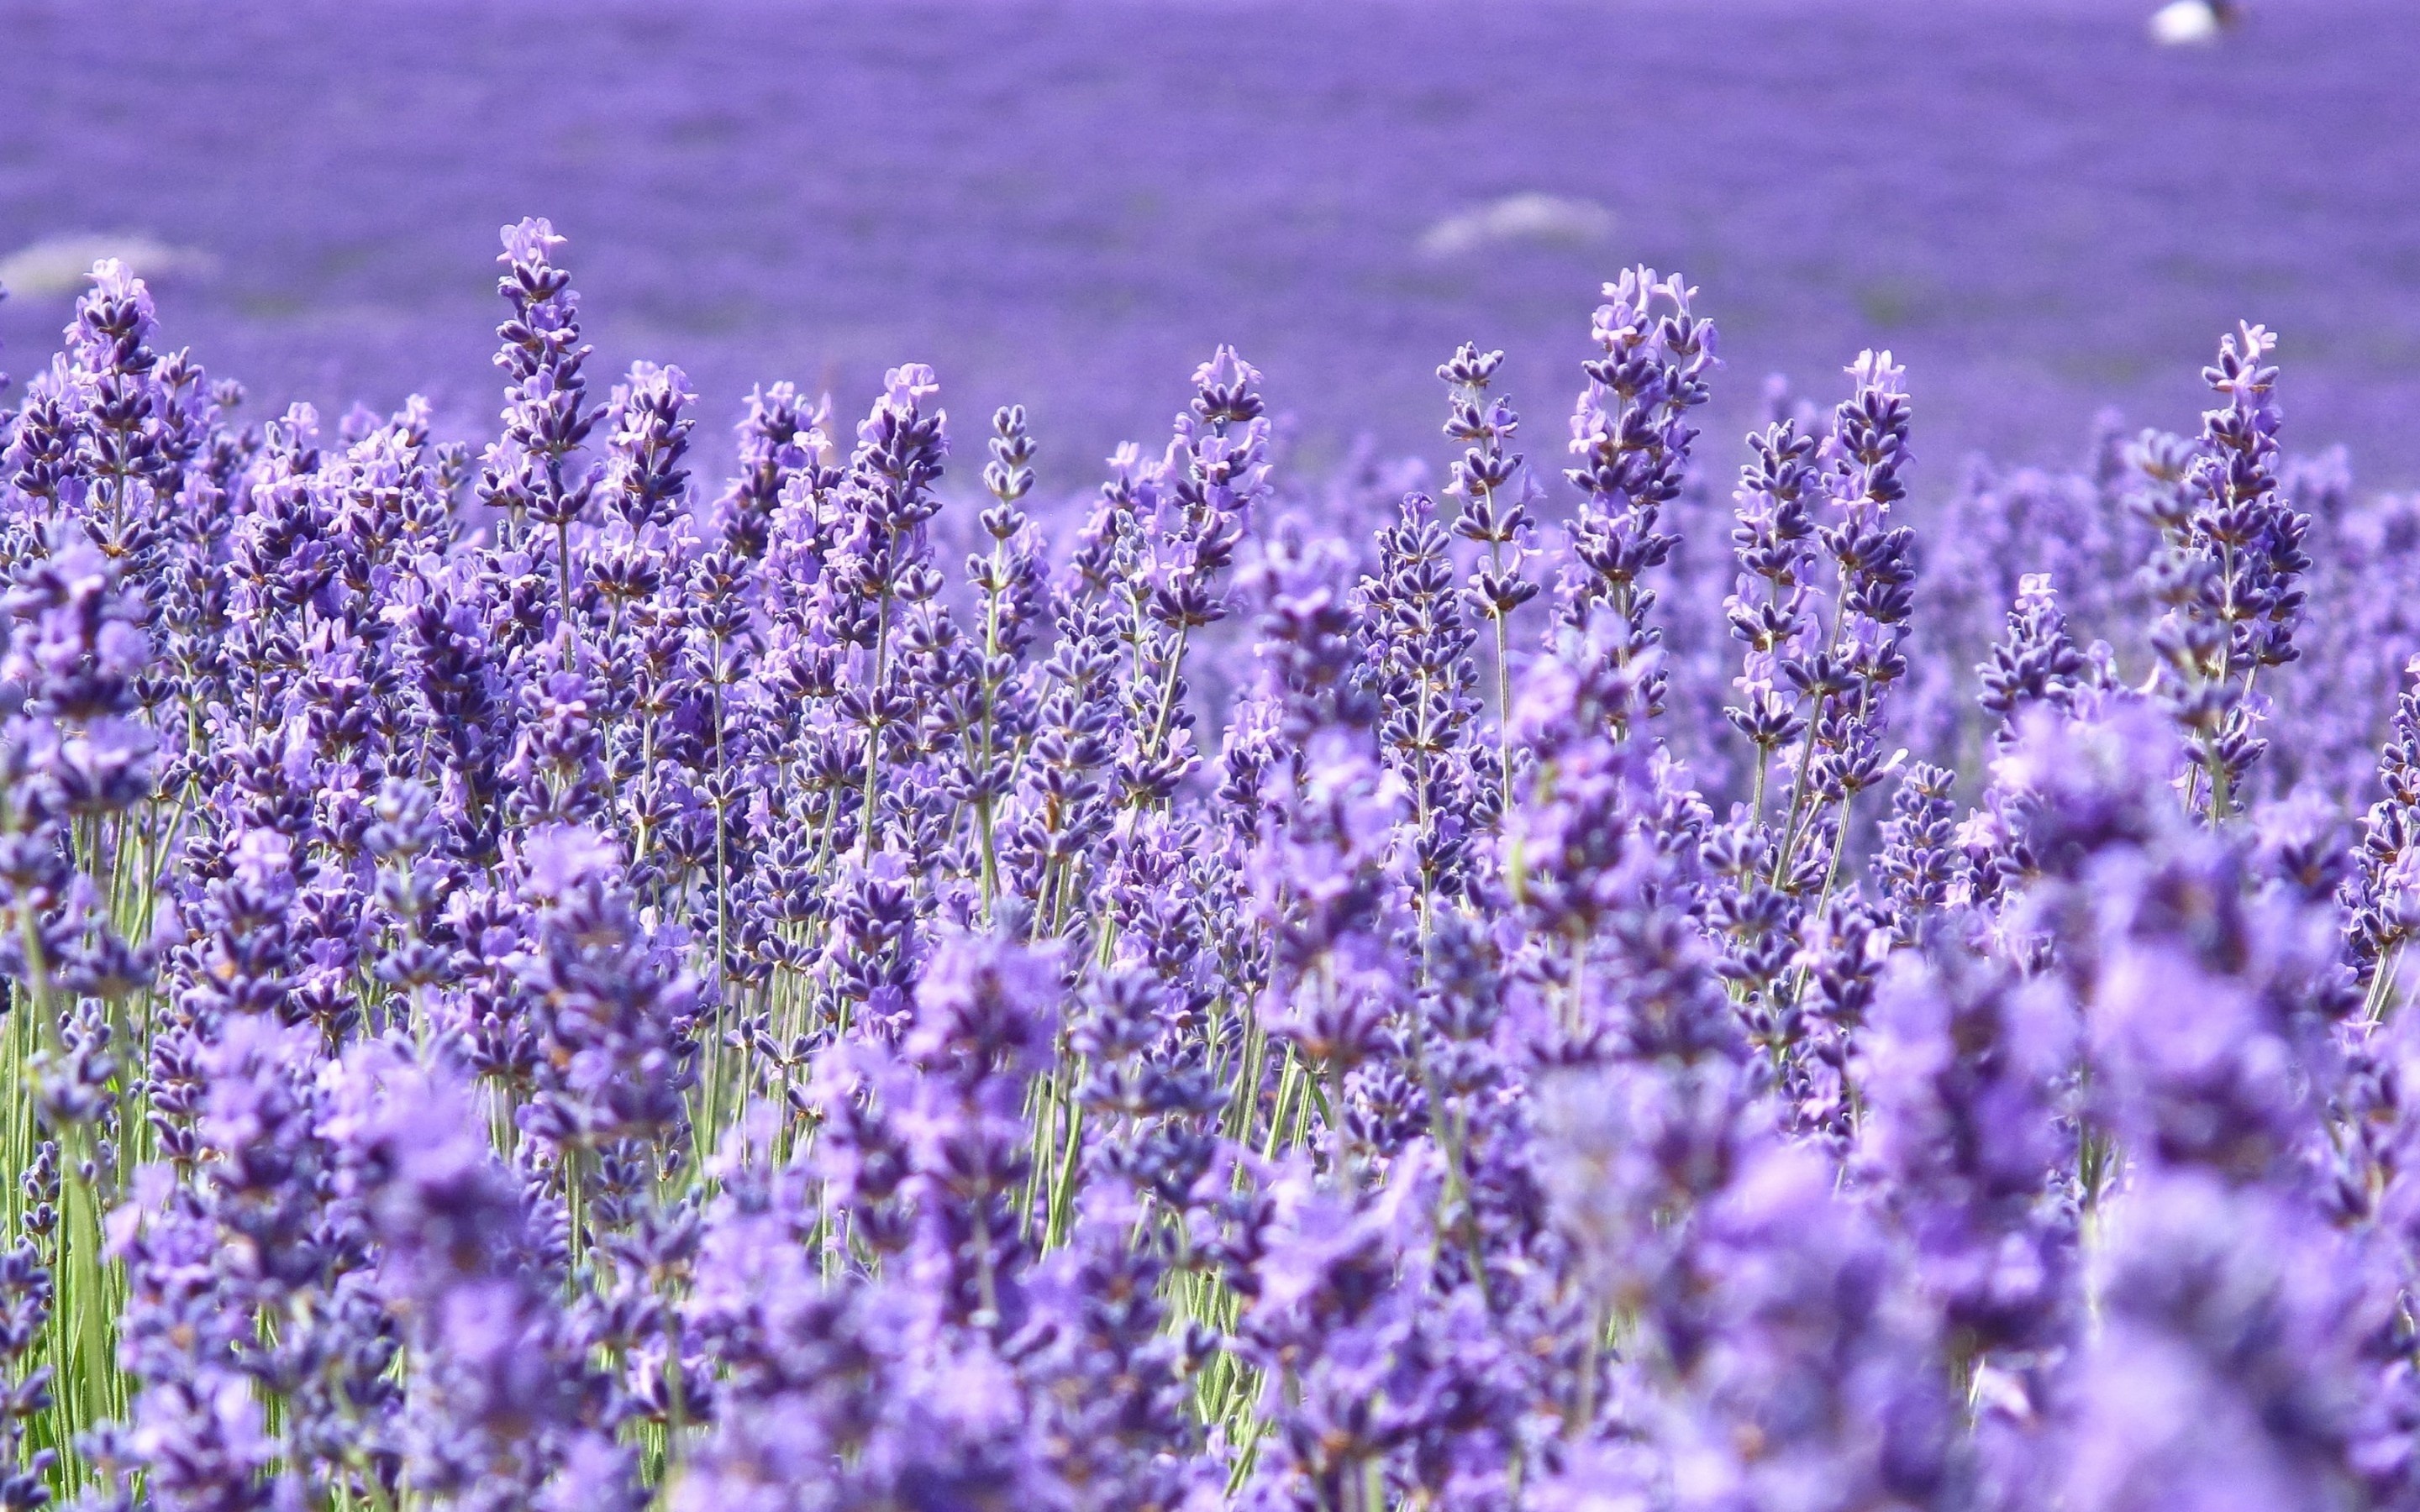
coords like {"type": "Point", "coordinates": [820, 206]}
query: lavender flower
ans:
{"type": "Point", "coordinates": [2231, 552]}
{"type": "Point", "coordinates": [1632, 437]}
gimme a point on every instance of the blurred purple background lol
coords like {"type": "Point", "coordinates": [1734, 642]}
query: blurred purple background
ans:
{"type": "Point", "coordinates": [1068, 203]}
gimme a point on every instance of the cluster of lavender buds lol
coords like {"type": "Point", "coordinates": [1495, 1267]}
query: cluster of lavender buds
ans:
{"type": "Point", "coordinates": [534, 984]}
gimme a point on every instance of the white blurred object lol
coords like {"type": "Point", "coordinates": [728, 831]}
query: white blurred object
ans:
{"type": "Point", "coordinates": [62, 264]}
{"type": "Point", "coordinates": [2192, 23]}
{"type": "Point", "coordinates": [1537, 219]}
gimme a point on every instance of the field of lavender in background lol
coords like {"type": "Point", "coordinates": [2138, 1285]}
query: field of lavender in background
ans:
{"type": "Point", "coordinates": [1068, 204]}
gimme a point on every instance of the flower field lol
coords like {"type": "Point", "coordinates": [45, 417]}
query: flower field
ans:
{"type": "Point", "coordinates": [1065, 204]}
{"type": "Point", "coordinates": [1650, 953]}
